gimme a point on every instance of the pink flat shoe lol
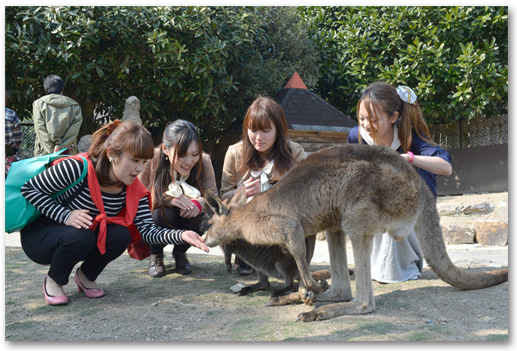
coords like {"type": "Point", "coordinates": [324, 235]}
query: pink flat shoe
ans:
{"type": "Point", "coordinates": [91, 293]}
{"type": "Point", "coordinates": [53, 300]}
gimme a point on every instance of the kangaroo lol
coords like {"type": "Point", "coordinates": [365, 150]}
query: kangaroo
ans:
{"type": "Point", "coordinates": [272, 261]}
{"type": "Point", "coordinates": [356, 190]}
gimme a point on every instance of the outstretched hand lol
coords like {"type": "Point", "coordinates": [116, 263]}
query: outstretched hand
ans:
{"type": "Point", "coordinates": [192, 238]}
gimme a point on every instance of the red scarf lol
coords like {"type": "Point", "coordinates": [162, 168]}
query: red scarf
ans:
{"type": "Point", "coordinates": [134, 192]}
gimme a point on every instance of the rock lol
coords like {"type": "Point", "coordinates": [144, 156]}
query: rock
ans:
{"type": "Point", "coordinates": [84, 143]}
{"type": "Point", "coordinates": [132, 110]}
{"type": "Point", "coordinates": [458, 234]}
{"type": "Point", "coordinates": [482, 208]}
{"type": "Point", "coordinates": [501, 210]}
{"type": "Point", "coordinates": [321, 236]}
{"type": "Point", "coordinates": [448, 209]}
{"type": "Point", "coordinates": [491, 232]}
{"type": "Point", "coordinates": [238, 287]}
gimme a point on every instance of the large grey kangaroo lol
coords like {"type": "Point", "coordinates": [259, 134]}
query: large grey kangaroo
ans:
{"type": "Point", "coordinates": [355, 190]}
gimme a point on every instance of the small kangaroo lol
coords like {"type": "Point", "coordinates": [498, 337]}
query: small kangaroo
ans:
{"type": "Point", "coordinates": [356, 190]}
{"type": "Point", "coordinates": [272, 261]}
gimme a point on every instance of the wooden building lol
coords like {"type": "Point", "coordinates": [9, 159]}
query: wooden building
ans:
{"type": "Point", "coordinates": [311, 121]}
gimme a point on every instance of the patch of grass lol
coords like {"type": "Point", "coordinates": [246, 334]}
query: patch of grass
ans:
{"type": "Point", "coordinates": [419, 336]}
{"type": "Point", "coordinates": [9, 303]}
{"type": "Point", "coordinates": [21, 325]}
{"type": "Point", "coordinates": [90, 311]}
{"type": "Point", "coordinates": [46, 309]}
{"type": "Point", "coordinates": [378, 327]}
{"type": "Point", "coordinates": [497, 337]}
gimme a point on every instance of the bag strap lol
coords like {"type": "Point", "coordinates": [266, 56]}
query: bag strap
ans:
{"type": "Point", "coordinates": [81, 177]}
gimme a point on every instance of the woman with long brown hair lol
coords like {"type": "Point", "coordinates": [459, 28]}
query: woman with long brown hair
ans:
{"type": "Point", "coordinates": [91, 221]}
{"type": "Point", "coordinates": [177, 178]}
{"type": "Point", "coordinates": [261, 158]}
{"type": "Point", "coordinates": [392, 117]}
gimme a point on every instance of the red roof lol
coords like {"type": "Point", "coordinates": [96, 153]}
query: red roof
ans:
{"type": "Point", "coordinates": [295, 82]}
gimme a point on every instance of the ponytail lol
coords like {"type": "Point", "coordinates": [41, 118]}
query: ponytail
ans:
{"type": "Point", "coordinates": [410, 119]}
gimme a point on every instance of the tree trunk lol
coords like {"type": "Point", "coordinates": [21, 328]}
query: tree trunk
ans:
{"type": "Point", "coordinates": [88, 126]}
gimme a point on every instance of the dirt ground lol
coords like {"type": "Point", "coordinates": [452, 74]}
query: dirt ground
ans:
{"type": "Point", "coordinates": [201, 307]}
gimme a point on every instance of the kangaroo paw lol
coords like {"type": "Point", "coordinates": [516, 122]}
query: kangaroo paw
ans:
{"type": "Point", "coordinates": [335, 310]}
{"type": "Point", "coordinates": [284, 300]}
{"type": "Point", "coordinates": [308, 297]}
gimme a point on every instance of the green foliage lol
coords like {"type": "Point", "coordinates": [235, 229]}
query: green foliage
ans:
{"type": "Point", "coordinates": [455, 58]}
{"type": "Point", "coordinates": [203, 64]}
{"type": "Point", "coordinates": [174, 59]}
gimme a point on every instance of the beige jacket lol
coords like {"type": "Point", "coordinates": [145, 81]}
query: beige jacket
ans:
{"type": "Point", "coordinates": [232, 177]}
{"type": "Point", "coordinates": [57, 120]}
{"type": "Point", "coordinates": [207, 175]}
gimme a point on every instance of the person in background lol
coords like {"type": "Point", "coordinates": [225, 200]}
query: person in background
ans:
{"type": "Point", "coordinates": [13, 136]}
{"type": "Point", "coordinates": [261, 158]}
{"type": "Point", "coordinates": [57, 119]}
{"type": "Point", "coordinates": [177, 178]}
{"type": "Point", "coordinates": [391, 117]}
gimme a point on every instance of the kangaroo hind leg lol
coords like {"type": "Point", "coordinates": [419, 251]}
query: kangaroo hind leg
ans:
{"type": "Point", "coordinates": [364, 301]}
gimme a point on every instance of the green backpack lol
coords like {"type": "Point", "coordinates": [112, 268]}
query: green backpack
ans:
{"type": "Point", "coordinates": [18, 211]}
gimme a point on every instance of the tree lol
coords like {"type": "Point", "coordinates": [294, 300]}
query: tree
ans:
{"type": "Point", "coordinates": [174, 59]}
{"type": "Point", "coordinates": [455, 58]}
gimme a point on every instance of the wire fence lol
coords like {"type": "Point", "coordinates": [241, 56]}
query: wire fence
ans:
{"type": "Point", "coordinates": [457, 135]}
{"type": "Point", "coordinates": [471, 133]}
{"type": "Point", "coordinates": [28, 138]}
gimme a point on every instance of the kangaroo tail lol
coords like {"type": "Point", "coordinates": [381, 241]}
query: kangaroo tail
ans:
{"type": "Point", "coordinates": [430, 237]}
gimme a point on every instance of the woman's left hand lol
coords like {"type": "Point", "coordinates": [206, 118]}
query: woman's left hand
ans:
{"type": "Point", "coordinates": [192, 238]}
{"type": "Point", "coordinates": [190, 213]}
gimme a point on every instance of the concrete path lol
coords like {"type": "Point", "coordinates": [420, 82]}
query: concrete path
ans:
{"type": "Point", "coordinates": [473, 255]}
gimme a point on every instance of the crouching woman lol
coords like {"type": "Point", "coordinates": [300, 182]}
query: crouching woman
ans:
{"type": "Point", "coordinates": [177, 178]}
{"type": "Point", "coordinates": [90, 222]}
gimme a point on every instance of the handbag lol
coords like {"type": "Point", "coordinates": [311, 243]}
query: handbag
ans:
{"type": "Point", "coordinates": [18, 211]}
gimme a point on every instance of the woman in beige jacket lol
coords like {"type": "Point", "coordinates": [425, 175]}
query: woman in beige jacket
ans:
{"type": "Point", "coordinates": [261, 158]}
{"type": "Point", "coordinates": [177, 178]}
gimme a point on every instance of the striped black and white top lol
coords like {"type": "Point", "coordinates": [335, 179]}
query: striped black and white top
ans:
{"type": "Point", "coordinates": [38, 190]}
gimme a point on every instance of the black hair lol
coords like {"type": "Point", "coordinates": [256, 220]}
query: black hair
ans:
{"type": "Point", "coordinates": [54, 84]}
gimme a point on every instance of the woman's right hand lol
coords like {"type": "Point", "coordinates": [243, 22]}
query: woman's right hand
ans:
{"type": "Point", "coordinates": [252, 187]}
{"type": "Point", "coordinates": [79, 219]}
{"type": "Point", "coordinates": [183, 203]}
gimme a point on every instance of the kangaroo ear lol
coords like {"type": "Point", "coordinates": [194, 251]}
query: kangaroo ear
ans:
{"type": "Point", "coordinates": [215, 204]}
{"type": "Point", "coordinates": [239, 198]}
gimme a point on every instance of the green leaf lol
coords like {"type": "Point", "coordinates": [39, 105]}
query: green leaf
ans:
{"type": "Point", "coordinates": [99, 71]}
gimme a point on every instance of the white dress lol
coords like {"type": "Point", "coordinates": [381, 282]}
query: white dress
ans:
{"type": "Point", "coordinates": [396, 261]}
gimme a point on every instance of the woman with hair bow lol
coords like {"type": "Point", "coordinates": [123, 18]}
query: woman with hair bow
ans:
{"type": "Point", "coordinates": [392, 117]}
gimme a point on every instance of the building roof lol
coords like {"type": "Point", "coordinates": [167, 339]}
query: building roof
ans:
{"type": "Point", "coordinates": [305, 110]}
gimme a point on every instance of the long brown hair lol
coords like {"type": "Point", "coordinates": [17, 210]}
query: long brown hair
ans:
{"type": "Point", "coordinates": [119, 136]}
{"type": "Point", "coordinates": [178, 135]}
{"type": "Point", "coordinates": [261, 113]}
{"type": "Point", "coordinates": [381, 96]}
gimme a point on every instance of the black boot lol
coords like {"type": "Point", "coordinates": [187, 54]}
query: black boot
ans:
{"type": "Point", "coordinates": [242, 267]}
{"type": "Point", "coordinates": [182, 263]}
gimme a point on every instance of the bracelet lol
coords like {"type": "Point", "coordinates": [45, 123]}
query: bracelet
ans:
{"type": "Point", "coordinates": [197, 204]}
{"type": "Point", "coordinates": [411, 156]}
